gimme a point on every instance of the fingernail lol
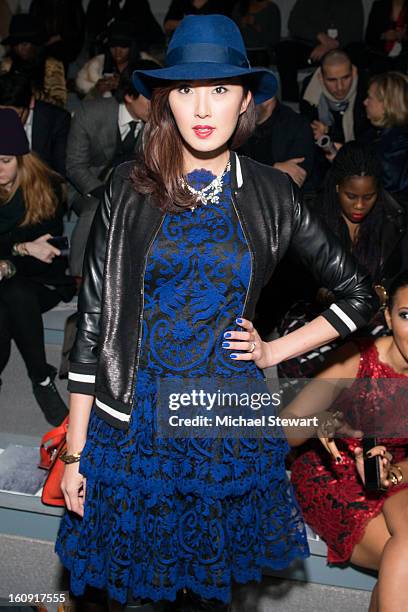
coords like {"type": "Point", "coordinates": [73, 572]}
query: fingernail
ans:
{"type": "Point", "coordinates": [368, 454]}
{"type": "Point", "coordinates": [338, 459]}
{"type": "Point", "coordinates": [227, 335]}
{"type": "Point", "coordinates": [225, 345]}
{"type": "Point", "coordinates": [233, 356]}
{"type": "Point", "coordinates": [239, 320]}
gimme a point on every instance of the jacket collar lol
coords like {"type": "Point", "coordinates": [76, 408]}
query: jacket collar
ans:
{"type": "Point", "coordinates": [236, 171]}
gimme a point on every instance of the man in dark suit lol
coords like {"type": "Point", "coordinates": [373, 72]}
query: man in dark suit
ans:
{"type": "Point", "coordinates": [46, 125]}
{"type": "Point", "coordinates": [104, 133]}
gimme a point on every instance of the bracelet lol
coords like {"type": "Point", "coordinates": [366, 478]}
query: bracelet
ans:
{"type": "Point", "coordinates": [73, 458]}
{"type": "Point", "coordinates": [7, 269]}
{"type": "Point", "coordinates": [19, 252]}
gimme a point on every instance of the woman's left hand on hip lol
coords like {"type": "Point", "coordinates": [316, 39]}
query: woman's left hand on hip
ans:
{"type": "Point", "coordinates": [249, 344]}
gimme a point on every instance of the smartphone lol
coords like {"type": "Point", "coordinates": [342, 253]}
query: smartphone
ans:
{"type": "Point", "coordinates": [108, 75]}
{"type": "Point", "coordinates": [372, 473]}
{"type": "Point", "coordinates": [61, 243]}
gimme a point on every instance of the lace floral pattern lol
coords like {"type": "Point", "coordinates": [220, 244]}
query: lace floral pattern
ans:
{"type": "Point", "coordinates": [162, 514]}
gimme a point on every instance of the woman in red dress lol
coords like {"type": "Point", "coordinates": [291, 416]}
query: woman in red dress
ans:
{"type": "Point", "coordinates": [369, 529]}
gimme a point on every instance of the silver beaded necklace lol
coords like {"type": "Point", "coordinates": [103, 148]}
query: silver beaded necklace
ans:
{"type": "Point", "coordinates": [209, 194]}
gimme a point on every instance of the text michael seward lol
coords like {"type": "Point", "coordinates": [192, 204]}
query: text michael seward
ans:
{"type": "Point", "coordinates": [241, 421]}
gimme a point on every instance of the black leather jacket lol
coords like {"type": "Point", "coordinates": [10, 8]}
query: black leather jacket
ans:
{"type": "Point", "coordinates": [105, 356]}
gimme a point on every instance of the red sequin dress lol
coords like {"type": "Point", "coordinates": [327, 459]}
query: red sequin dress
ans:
{"type": "Point", "coordinates": [331, 495]}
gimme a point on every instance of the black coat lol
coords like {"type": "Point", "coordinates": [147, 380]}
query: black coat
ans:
{"type": "Point", "coordinates": [30, 267]}
{"type": "Point", "coordinates": [105, 356]}
{"type": "Point", "coordinates": [284, 135]}
{"type": "Point", "coordinates": [137, 12]}
{"type": "Point", "coordinates": [50, 134]}
{"type": "Point", "coordinates": [361, 123]}
{"type": "Point", "coordinates": [391, 145]}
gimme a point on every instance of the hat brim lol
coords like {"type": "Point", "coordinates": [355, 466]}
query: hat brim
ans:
{"type": "Point", "coordinates": [263, 82]}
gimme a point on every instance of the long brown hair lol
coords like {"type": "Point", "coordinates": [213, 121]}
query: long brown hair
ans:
{"type": "Point", "coordinates": [37, 183]}
{"type": "Point", "coordinates": [161, 166]}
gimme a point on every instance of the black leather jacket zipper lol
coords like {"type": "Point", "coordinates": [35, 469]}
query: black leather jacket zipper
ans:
{"type": "Point", "coordinates": [234, 203]}
{"type": "Point", "coordinates": [139, 341]}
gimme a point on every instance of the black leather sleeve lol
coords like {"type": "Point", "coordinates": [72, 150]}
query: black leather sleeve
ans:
{"type": "Point", "coordinates": [84, 354]}
{"type": "Point", "coordinates": [334, 268]}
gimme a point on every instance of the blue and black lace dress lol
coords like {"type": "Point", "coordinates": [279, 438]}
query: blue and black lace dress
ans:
{"type": "Point", "coordinates": [163, 514]}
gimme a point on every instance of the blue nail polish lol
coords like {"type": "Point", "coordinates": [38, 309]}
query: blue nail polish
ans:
{"type": "Point", "coordinates": [225, 345]}
{"type": "Point", "coordinates": [233, 356]}
{"type": "Point", "coordinates": [227, 335]}
{"type": "Point", "coordinates": [238, 321]}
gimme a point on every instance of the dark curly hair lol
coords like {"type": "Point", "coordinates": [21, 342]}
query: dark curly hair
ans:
{"type": "Point", "coordinates": [399, 282]}
{"type": "Point", "coordinates": [355, 159]}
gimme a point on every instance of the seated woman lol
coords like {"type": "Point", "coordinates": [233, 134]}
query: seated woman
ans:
{"type": "Point", "coordinates": [369, 223]}
{"type": "Point", "coordinates": [100, 75]}
{"type": "Point", "coordinates": [31, 210]}
{"type": "Point", "coordinates": [368, 528]}
{"type": "Point", "coordinates": [27, 55]}
{"type": "Point", "coordinates": [387, 109]}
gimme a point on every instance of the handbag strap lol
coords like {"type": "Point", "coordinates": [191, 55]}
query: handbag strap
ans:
{"type": "Point", "coordinates": [56, 434]}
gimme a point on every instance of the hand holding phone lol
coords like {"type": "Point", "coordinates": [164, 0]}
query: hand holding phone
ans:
{"type": "Point", "coordinates": [61, 243]}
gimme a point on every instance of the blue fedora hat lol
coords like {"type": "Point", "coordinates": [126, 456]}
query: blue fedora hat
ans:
{"type": "Point", "coordinates": [207, 47]}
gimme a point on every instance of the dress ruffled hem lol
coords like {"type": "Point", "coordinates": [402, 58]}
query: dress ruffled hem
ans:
{"type": "Point", "coordinates": [170, 594]}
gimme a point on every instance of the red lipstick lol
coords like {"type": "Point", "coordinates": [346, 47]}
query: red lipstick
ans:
{"type": "Point", "coordinates": [357, 216]}
{"type": "Point", "coordinates": [203, 131]}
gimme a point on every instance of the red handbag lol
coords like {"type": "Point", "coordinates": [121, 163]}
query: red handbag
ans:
{"type": "Point", "coordinates": [53, 444]}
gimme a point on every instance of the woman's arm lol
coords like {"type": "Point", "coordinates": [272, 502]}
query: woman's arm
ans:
{"type": "Point", "coordinates": [83, 356]}
{"type": "Point", "coordinates": [317, 397]}
{"type": "Point", "coordinates": [84, 353]}
{"type": "Point", "coordinates": [334, 268]}
{"type": "Point", "coordinates": [73, 483]}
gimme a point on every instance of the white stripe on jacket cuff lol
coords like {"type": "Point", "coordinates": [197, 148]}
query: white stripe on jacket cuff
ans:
{"type": "Point", "coordinates": [85, 378]}
{"type": "Point", "coordinates": [344, 317]}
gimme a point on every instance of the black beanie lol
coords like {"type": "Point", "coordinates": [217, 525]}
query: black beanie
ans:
{"type": "Point", "coordinates": [13, 139]}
